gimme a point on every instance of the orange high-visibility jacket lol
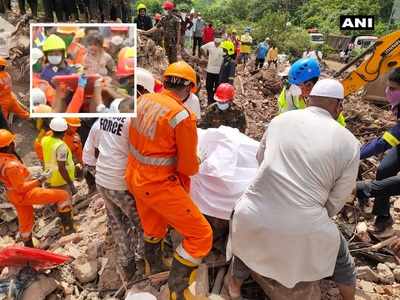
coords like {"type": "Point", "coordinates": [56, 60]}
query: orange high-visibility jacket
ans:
{"type": "Point", "coordinates": [15, 176]}
{"type": "Point", "coordinates": [76, 53]}
{"type": "Point", "coordinates": [8, 100]}
{"type": "Point", "coordinates": [73, 141]}
{"type": "Point", "coordinates": [163, 141]}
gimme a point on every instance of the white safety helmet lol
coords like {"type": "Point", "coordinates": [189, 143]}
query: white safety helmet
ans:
{"type": "Point", "coordinates": [58, 124]}
{"type": "Point", "coordinates": [117, 40]}
{"type": "Point", "coordinates": [145, 79]}
{"type": "Point", "coordinates": [38, 97]}
{"type": "Point", "coordinates": [36, 54]}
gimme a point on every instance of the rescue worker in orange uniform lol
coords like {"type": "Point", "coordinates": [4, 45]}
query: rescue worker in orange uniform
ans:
{"type": "Point", "coordinates": [76, 52]}
{"type": "Point", "coordinates": [163, 156]}
{"type": "Point", "coordinates": [73, 140]}
{"type": "Point", "coordinates": [24, 192]}
{"type": "Point", "coordinates": [8, 100]}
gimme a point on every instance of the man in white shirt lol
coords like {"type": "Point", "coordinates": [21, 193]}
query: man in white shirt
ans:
{"type": "Point", "coordinates": [281, 227]}
{"type": "Point", "coordinates": [313, 54]}
{"type": "Point", "coordinates": [215, 60]}
{"type": "Point", "coordinates": [91, 152]}
{"type": "Point", "coordinates": [193, 103]}
{"type": "Point", "coordinates": [111, 163]}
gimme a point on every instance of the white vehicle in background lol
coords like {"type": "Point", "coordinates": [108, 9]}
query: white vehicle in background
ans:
{"type": "Point", "coordinates": [364, 41]}
{"type": "Point", "coordinates": [317, 38]}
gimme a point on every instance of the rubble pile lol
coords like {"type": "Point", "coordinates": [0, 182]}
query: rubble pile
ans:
{"type": "Point", "coordinates": [150, 56]}
{"type": "Point", "coordinates": [93, 274]}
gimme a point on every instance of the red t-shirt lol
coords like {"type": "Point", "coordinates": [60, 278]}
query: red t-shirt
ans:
{"type": "Point", "coordinates": [208, 35]}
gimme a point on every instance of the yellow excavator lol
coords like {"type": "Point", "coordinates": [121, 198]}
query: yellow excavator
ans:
{"type": "Point", "coordinates": [384, 55]}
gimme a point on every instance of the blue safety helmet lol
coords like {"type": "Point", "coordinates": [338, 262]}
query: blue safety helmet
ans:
{"type": "Point", "coordinates": [303, 70]}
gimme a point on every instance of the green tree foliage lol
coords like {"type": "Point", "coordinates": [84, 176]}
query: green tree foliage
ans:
{"type": "Point", "coordinates": [321, 14]}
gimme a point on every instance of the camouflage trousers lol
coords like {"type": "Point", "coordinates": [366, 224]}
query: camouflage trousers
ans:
{"type": "Point", "coordinates": [171, 51]}
{"type": "Point", "coordinates": [125, 224]}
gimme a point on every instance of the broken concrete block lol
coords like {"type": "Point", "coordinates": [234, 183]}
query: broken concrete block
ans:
{"type": "Point", "coordinates": [334, 292]}
{"type": "Point", "coordinates": [366, 273]}
{"type": "Point", "coordinates": [72, 238]}
{"type": "Point", "coordinates": [94, 250]}
{"type": "Point", "coordinates": [396, 273]}
{"type": "Point", "coordinates": [84, 270]}
{"type": "Point", "coordinates": [40, 288]}
{"type": "Point", "coordinates": [140, 296]}
{"type": "Point", "coordinates": [8, 215]}
{"type": "Point", "coordinates": [385, 274]}
{"type": "Point", "coordinates": [367, 286]}
{"type": "Point", "coordinates": [51, 229]}
{"type": "Point", "coordinates": [362, 232]}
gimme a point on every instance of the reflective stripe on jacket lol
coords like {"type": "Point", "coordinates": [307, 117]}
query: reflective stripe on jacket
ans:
{"type": "Point", "coordinates": [163, 140]}
{"type": "Point", "coordinates": [297, 102]}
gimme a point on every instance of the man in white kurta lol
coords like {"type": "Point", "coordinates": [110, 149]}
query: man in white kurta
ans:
{"type": "Point", "coordinates": [282, 227]}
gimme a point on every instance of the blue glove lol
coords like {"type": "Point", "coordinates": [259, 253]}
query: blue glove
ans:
{"type": "Point", "coordinates": [82, 81]}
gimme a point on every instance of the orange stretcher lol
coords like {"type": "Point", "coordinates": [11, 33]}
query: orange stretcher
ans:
{"type": "Point", "coordinates": [71, 82]}
{"type": "Point", "coordinates": [35, 258]}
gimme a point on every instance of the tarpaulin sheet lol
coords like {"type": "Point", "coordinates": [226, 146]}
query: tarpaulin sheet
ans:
{"type": "Point", "coordinates": [227, 170]}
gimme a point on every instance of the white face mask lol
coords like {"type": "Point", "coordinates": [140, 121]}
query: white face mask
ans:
{"type": "Point", "coordinates": [223, 106]}
{"type": "Point", "coordinates": [54, 59]}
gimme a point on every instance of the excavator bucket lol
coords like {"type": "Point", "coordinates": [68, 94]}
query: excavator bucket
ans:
{"type": "Point", "coordinates": [35, 258]}
{"type": "Point", "coordinates": [375, 90]}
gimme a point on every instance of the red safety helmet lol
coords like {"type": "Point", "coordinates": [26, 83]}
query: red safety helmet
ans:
{"type": "Point", "coordinates": [168, 5]}
{"type": "Point", "coordinates": [157, 17]}
{"type": "Point", "coordinates": [224, 93]}
{"type": "Point", "coordinates": [119, 28]}
{"type": "Point", "coordinates": [158, 87]}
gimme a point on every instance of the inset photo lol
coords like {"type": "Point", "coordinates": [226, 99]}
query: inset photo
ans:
{"type": "Point", "coordinates": [82, 70]}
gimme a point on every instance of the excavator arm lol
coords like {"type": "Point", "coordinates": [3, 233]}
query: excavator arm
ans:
{"type": "Point", "coordinates": [385, 54]}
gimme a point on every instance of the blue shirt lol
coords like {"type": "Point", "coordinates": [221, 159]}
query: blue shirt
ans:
{"type": "Point", "coordinates": [49, 72]}
{"type": "Point", "coordinates": [262, 50]}
{"type": "Point", "coordinates": [390, 138]}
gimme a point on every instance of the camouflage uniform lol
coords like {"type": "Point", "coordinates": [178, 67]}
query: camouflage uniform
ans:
{"type": "Point", "coordinates": [171, 27]}
{"type": "Point", "coordinates": [125, 225]}
{"type": "Point", "coordinates": [232, 117]}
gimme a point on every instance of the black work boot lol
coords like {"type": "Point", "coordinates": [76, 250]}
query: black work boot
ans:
{"type": "Point", "coordinates": [67, 222]}
{"type": "Point", "coordinates": [362, 193]}
{"type": "Point", "coordinates": [382, 223]}
{"type": "Point", "coordinates": [129, 270]}
{"type": "Point", "coordinates": [153, 256]}
{"type": "Point", "coordinates": [28, 242]}
{"type": "Point", "coordinates": [181, 276]}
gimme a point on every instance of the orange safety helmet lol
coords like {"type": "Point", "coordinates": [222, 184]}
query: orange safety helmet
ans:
{"type": "Point", "coordinates": [6, 138]}
{"type": "Point", "coordinates": [42, 109]}
{"type": "Point", "coordinates": [224, 93]}
{"type": "Point", "coordinates": [119, 28]}
{"type": "Point", "coordinates": [3, 61]}
{"type": "Point", "coordinates": [67, 29]}
{"type": "Point", "coordinates": [125, 67]}
{"type": "Point", "coordinates": [73, 122]}
{"type": "Point", "coordinates": [168, 5]}
{"type": "Point", "coordinates": [183, 70]}
{"type": "Point", "coordinates": [126, 62]}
